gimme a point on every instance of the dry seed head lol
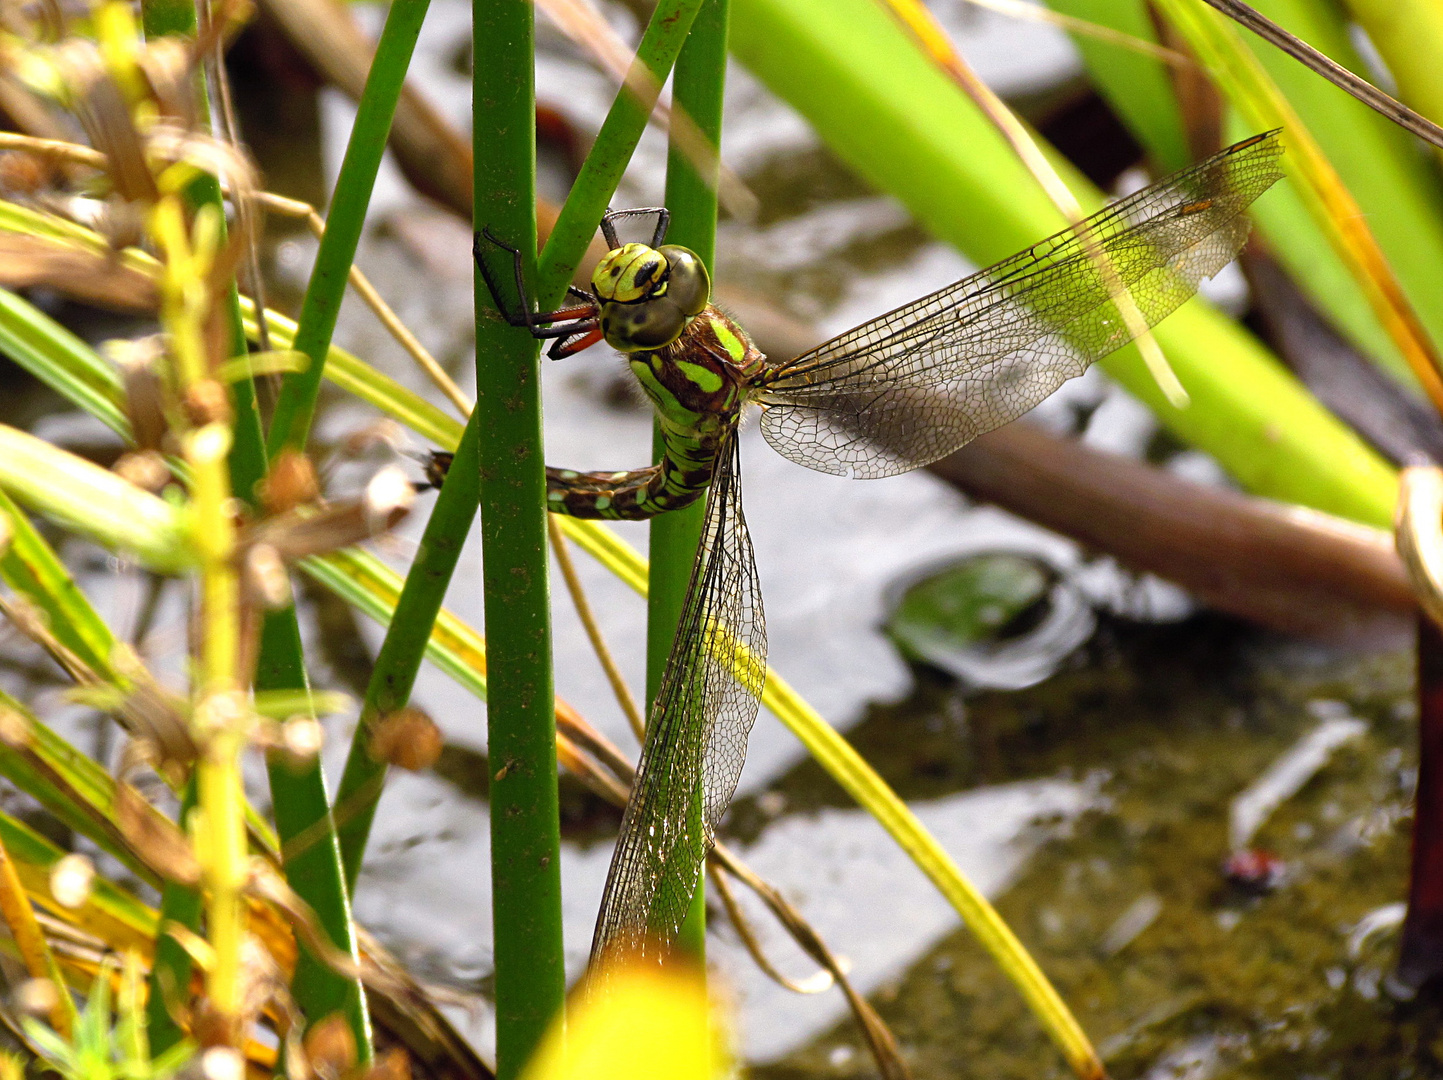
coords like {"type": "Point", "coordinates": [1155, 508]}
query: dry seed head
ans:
{"type": "Point", "coordinates": [171, 142]}
{"type": "Point", "coordinates": [146, 469]}
{"type": "Point", "coordinates": [106, 116]}
{"type": "Point", "coordinates": [389, 496]}
{"type": "Point", "coordinates": [261, 976]}
{"type": "Point", "coordinates": [137, 755]}
{"type": "Point", "coordinates": [407, 738]}
{"type": "Point", "coordinates": [156, 719]}
{"type": "Point", "coordinates": [70, 881]}
{"type": "Point", "coordinates": [24, 174]}
{"type": "Point", "coordinates": [330, 1046]}
{"type": "Point", "coordinates": [166, 63]}
{"type": "Point", "coordinates": [129, 353]}
{"type": "Point", "coordinates": [155, 837]}
{"type": "Point", "coordinates": [206, 402]}
{"type": "Point", "coordinates": [14, 728]}
{"type": "Point", "coordinates": [290, 483]}
{"type": "Point", "coordinates": [139, 364]}
{"type": "Point", "coordinates": [383, 432]}
{"type": "Point", "coordinates": [221, 711]}
{"type": "Point", "coordinates": [312, 531]}
{"type": "Point", "coordinates": [208, 1025]}
{"type": "Point", "coordinates": [266, 577]}
{"type": "Point", "coordinates": [208, 444]}
{"type": "Point", "coordinates": [392, 1064]}
{"type": "Point", "coordinates": [302, 737]}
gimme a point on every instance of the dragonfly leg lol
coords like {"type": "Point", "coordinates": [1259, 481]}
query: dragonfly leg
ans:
{"type": "Point", "coordinates": [588, 334]}
{"type": "Point", "coordinates": [582, 317]}
{"type": "Point", "coordinates": [611, 217]}
{"type": "Point", "coordinates": [582, 331]}
{"type": "Point", "coordinates": [522, 319]}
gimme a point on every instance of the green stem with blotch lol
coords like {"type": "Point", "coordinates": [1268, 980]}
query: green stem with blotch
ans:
{"type": "Point", "coordinates": [521, 732]}
{"type": "Point", "coordinates": [310, 848]}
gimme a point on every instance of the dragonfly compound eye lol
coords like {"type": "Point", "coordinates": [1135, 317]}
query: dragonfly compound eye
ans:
{"type": "Point", "coordinates": [649, 324]}
{"type": "Point", "coordinates": [630, 273]}
{"type": "Point", "coordinates": [689, 284]}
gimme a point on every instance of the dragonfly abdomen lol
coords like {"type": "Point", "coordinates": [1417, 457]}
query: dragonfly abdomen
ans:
{"type": "Point", "coordinates": [633, 495]}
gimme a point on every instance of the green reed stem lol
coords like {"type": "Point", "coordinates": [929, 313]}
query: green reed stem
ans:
{"type": "Point", "coordinates": [697, 90]}
{"type": "Point", "coordinates": [615, 143]}
{"type": "Point", "coordinates": [296, 405]}
{"type": "Point", "coordinates": [521, 734]}
{"type": "Point", "coordinates": [161, 17]}
{"type": "Point", "coordinates": [311, 855]}
{"type": "Point", "coordinates": [404, 647]}
{"type": "Point", "coordinates": [310, 852]}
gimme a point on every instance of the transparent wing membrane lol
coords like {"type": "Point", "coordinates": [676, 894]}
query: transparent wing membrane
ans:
{"type": "Point", "coordinates": [696, 737]}
{"type": "Point", "coordinates": [916, 384]}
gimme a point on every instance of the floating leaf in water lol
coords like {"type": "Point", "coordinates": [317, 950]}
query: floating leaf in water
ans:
{"type": "Point", "coordinates": [995, 619]}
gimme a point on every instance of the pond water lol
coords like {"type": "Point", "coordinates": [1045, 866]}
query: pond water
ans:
{"type": "Point", "coordinates": [1093, 806]}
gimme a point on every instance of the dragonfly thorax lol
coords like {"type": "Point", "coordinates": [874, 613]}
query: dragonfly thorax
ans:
{"type": "Point", "coordinates": [648, 295]}
{"type": "Point", "coordinates": [699, 382]}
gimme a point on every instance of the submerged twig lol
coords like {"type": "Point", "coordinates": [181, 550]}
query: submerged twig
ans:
{"type": "Point", "coordinates": [753, 945]}
{"type": "Point", "coordinates": [880, 1039]}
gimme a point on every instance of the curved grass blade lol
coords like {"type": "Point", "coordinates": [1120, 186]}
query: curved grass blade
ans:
{"type": "Point", "coordinates": [109, 912]}
{"type": "Point", "coordinates": [696, 737]}
{"type": "Point", "coordinates": [60, 359]}
{"type": "Point", "coordinates": [19, 916]}
{"type": "Point", "coordinates": [914, 385]}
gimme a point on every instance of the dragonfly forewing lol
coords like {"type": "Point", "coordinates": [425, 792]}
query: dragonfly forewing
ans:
{"type": "Point", "coordinates": [696, 736]}
{"type": "Point", "coordinates": [918, 383]}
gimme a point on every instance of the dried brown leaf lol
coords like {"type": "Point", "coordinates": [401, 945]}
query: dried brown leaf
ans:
{"type": "Point", "coordinates": [154, 837]}
{"type": "Point", "coordinates": [29, 261]}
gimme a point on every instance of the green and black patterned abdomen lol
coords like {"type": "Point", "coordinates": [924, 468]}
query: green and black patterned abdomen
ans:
{"type": "Point", "coordinates": [625, 496]}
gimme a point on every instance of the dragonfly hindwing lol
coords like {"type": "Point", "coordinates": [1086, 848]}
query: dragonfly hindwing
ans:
{"type": "Point", "coordinates": [696, 738]}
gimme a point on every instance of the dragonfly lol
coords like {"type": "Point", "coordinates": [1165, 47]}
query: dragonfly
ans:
{"type": "Point", "coordinates": [893, 394]}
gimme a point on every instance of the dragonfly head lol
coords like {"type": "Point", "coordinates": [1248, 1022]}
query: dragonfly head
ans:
{"type": "Point", "coordinates": [648, 295]}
